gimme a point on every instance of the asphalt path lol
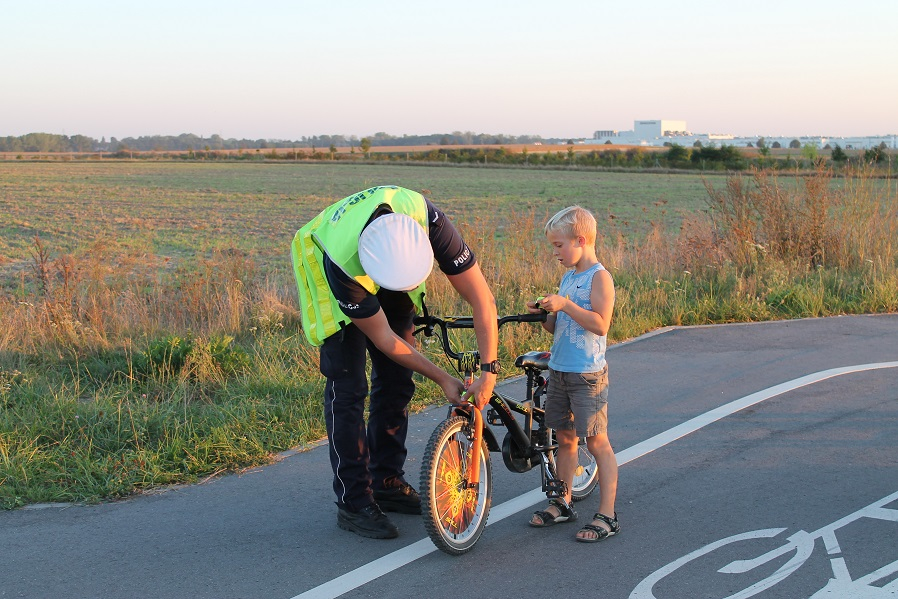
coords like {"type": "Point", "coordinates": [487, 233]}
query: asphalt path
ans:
{"type": "Point", "coordinates": [756, 460]}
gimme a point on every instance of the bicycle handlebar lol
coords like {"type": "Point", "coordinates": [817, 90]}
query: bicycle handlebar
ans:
{"type": "Point", "coordinates": [428, 322]}
{"type": "Point", "coordinates": [467, 322]}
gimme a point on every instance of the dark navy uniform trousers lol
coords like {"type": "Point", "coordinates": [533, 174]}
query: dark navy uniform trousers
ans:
{"type": "Point", "coordinates": [367, 457]}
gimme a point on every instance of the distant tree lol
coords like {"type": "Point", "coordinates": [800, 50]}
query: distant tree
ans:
{"type": "Point", "coordinates": [697, 144]}
{"type": "Point", "coordinates": [794, 144]}
{"type": "Point", "coordinates": [749, 145]}
{"type": "Point", "coordinates": [839, 154]}
{"type": "Point", "coordinates": [874, 155]}
{"type": "Point", "coordinates": [365, 145]}
{"type": "Point", "coordinates": [607, 142]}
{"type": "Point", "coordinates": [776, 145]}
{"type": "Point", "coordinates": [81, 143]}
{"type": "Point", "coordinates": [809, 151]}
{"type": "Point", "coordinates": [676, 155]}
{"type": "Point", "coordinates": [762, 143]}
{"type": "Point", "coordinates": [333, 150]}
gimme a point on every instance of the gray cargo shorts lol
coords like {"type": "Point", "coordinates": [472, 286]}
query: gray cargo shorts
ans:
{"type": "Point", "coordinates": [578, 401]}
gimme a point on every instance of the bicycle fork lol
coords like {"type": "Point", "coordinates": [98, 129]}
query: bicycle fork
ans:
{"type": "Point", "coordinates": [475, 449]}
{"type": "Point", "coordinates": [476, 435]}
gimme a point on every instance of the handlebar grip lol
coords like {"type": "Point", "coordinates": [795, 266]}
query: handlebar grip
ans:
{"type": "Point", "coordinates": [540, 317]}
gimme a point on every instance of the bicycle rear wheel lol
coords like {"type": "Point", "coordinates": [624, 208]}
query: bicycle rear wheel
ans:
{"type": "Point", "coordinates": [454, 514]}
{"type": "Point", "coordinates": [586, 476]}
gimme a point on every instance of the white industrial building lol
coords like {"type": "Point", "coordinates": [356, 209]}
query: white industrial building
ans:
{"type": "Point", "coordinates": [663, 132]}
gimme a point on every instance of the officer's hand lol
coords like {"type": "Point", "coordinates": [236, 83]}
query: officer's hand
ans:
{"type": "Point", "coordinates": [480, 391]}
{"type": "Point", "coordinates": [453, 389]}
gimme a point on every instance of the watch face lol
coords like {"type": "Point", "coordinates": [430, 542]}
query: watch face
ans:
{"type": "Point", "coordinates": [492, 367]}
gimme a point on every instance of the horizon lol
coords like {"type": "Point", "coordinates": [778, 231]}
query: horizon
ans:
{"type": "Point", "coordinates": [285, 70]}
{"type": "Point", "coordinates": [357, 138]}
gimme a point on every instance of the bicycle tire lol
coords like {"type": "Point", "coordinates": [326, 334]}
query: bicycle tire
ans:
{"type": "Point", "coordinates": [454, 517]}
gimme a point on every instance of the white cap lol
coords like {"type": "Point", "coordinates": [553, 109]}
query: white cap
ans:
{"type": "Point", "coordinates": [395, 252]}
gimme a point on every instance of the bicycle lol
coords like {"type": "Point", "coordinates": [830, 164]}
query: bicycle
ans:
{"type": "Point", "coordinates": [456, 473]}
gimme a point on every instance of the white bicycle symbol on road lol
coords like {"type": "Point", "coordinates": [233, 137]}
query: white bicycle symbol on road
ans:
{"type": "Point", "coordinates": [840, 586]}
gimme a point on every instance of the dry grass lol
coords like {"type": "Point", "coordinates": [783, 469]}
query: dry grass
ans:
{"type": "Point", "coordinates": [95, 403]}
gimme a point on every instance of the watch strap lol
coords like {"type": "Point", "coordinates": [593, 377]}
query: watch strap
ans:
{"type": "Point", "coordinates": [492, 367]}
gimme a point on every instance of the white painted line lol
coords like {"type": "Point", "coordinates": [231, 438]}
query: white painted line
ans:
{"type": "Point", "coordinates": [393, 561]}
{"type": "Point", "coordinates": [690, 426]}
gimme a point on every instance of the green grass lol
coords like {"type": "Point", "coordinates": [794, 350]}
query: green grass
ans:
{"type": "Point", "coordinates": [179, 208]}
{"type": "Point", "coordinates": [149, 332]}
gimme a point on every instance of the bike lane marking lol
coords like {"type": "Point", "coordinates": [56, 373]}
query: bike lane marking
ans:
{"type": "Point", "coordinates": [410, 553]}
{"type": "Point", "coordinates": [802, 543]}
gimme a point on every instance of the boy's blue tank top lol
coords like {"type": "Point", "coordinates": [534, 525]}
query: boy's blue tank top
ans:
{"type": "Point", "coordinates": [575, 349]}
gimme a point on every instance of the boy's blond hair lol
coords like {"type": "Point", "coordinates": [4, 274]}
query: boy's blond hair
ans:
{"type": "Point", "coordinates": [573, 221]}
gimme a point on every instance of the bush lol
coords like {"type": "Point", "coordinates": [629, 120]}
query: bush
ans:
{"type": "Point", "coordinates": [207, 359]}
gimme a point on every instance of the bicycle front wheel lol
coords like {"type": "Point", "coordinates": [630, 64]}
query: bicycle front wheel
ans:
{"type": "Point", "coordinates": [454, 512]}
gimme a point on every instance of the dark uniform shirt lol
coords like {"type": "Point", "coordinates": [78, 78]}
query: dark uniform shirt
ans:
{"type": "Point", "coordinates": [449, 249]}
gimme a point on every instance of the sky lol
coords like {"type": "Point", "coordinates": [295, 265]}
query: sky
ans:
{"type": "Point", "coordinates": [283, 69]}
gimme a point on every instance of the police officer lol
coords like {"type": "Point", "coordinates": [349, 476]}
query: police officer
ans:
{"type": "Point", "coordinates": [360, 267]}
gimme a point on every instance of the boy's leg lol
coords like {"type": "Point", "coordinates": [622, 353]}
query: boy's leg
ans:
{"type": "Point", "coordinates": [600, 447]}
{"type": "Point", "coordinates": [560, 418]}
{"type": "Point", "coordinates": [567, 458]}
{"type": "Point", "coordinates": [565, 466]}
{"type": "Point", "coordinates": [606, 462]}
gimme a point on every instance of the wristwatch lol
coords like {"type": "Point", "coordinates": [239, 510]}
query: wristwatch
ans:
{"type": "Point", "coordinates": [493, 367]}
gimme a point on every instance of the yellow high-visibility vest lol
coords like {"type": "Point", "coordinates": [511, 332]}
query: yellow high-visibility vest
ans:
{"type": "Point", "coordinates": [335, 232]}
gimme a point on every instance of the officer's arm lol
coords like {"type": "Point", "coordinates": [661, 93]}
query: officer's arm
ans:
{"type": "Point", "coordinates": [472, 286]}
{"type": "Point", "coordinates": [378, 330]}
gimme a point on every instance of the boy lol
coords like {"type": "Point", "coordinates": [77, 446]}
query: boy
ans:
{"type": "Point", "coordinates": [577, 400]}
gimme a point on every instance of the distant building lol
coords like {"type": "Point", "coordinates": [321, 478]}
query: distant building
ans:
{"type": "Point", "coordinates": [657, 129]}
{"type": "Point", "coordinates": [666, 132]}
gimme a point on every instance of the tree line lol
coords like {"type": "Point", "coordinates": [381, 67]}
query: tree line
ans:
{"type": "Point", "coordinates": [50, 142]}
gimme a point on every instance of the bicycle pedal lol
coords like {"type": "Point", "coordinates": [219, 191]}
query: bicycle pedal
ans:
{"type": "Point", "coordinates": [492, 416]}
{"type": "Point", "coordinates": [554, 488]}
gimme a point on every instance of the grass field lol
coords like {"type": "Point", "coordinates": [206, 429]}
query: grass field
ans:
{"type": "Point", "coordinates": [177, 210]}
{"type": "Point", "coordinates": [149, 330]}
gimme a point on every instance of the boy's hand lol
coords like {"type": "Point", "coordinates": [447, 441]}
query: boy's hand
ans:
{"type": "Point", "coordinates": [551, 303]}
{"type": "Point", "coordinates": [535, 307]}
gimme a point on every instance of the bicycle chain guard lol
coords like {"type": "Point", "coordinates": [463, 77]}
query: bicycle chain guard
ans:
{"type": "Point", "coordinates": [515, 458]}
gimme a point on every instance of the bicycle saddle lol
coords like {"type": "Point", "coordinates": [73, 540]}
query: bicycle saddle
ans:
{"type": "Point", "coordinates": [534, 359]}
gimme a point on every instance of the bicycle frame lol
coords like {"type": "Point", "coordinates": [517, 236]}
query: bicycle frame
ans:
{"type": "Point", "coordinates": [502, 406]}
